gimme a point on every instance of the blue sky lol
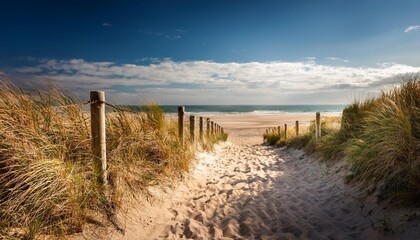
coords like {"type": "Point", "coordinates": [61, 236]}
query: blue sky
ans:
{"type": "Point", "coordinates": [179, 51]}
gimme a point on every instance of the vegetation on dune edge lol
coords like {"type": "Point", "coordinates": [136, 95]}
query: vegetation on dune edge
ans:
{"type": "Point", "coordinates": [380, 139]}
{"type": "Point", "coordinates": [46, 177]}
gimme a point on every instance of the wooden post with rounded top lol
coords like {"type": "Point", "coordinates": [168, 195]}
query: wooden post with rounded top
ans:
{"type": "Point", "coordinates": [285, 131]}
{"type": "Point", "coordinates": [181, 111]}
{"type": "Point", "coordinates": [208, 128]}
{"type": "Point", "coordinates": [192, 128]}
{"type": "Point", "coordinates": [201, 125]}
{"type": "Point", "coordinates": [318, 126]}
{"type": "Point", "coordinates": [97, 113]}
{"type": "Point", "coordinates": [212, 128]}
{"type": "Point", "coordinates": [297, 128]}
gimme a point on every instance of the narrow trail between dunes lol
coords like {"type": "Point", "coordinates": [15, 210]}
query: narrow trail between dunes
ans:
{"type": "Point", "coordinates": [246, 190]}
{"type": "Point", "coordinates": [250, 191]}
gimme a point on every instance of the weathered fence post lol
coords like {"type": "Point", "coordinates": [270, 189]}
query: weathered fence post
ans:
{"type": "Point", "coordinates": [279, 130]}
{"type": "Point", "coordinates": [208, 127]}
{"type": "Point", "coordinates": [201, 128]}
{"type": "Point", "coordinates": [318, 126]}
{"type": "Point", "coordinates": [285, 131]}
{"type": "Point", "coordinates": [212, 128]}
{"type": "Point", "coordinates": [97, 112]}
{"type": "Point", "coordinates": [192, 128]}
{"type": "Point", "coordinates": [297, 128]}
{"type": "Point", "coordinates": [181, 111]}
{"type": "Point", "coordinates": [266, 131]}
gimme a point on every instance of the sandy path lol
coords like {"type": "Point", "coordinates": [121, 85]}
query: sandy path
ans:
{"type": "Point", "coordinates": [250, 191]}
{"type": "Point", "coordinates": [245, 190]}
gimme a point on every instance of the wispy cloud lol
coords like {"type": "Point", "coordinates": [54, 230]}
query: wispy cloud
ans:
{"type": "Point", "coordinates": [338, 59]}
{"type": "Point", "coordinates": [411, 28]}
{"type": "Point", "coordinates": [148, 32]}
{"type": "Point", "coordinates": [177, 34]}
{"type": "Point", "coordinates": [310, 58]}
{"type": "Point", "coordinates": [167, 81]}
{"type": "Point", "coordinates": [173, 36]}
{"type": "Point", "coordinates": [105, 24]}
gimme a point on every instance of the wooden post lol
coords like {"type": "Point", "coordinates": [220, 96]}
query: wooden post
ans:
{"type": "Point", "coordinates": [192, 128]}
{"type": "Point", "coordinates": [279, 130]}
{"type": "Point", "coordinates": [201, 125]}
{"type": "Point", "coordinates": [212, 128]}
{"type": "Point", "coordinates": [208, 127]}
{"type": "Point", "coordinates": [285, 131]}
{"type": "Point", "coordinates": [97, 113]}
{"type": "Point", "coordinates": [266, 131]}
{"type": "Point", "coordinates": [297, 128]}
{"type": "Point", "coordinates": [181, 111]}
{"type": "Point", "coordinates": [318, 126]}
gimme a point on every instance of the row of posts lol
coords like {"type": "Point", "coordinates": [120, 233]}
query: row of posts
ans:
{"type": "Point", "coordinates": [317, 128]}
{"type": "Point", "coordinates": [212, 128]}
{"type": "Point", "coordinates": [97, 111]}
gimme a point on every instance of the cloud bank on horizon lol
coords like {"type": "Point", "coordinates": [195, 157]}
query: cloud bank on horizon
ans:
{"type": "Point", "coordinates": [208, 82]}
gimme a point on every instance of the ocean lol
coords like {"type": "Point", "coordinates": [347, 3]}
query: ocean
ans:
{"type": "Point", "coordinates": [266, 109]}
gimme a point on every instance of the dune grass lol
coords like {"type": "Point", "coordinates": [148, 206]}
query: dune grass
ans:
{"type": "Point", "coordinates": [380, 139]}
{"type": "Point", "coordinates": [46, 175]}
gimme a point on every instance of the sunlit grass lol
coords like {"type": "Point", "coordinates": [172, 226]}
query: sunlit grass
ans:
{"type": "Point", "coordinates": [46, 176]}
{"type": "Point", "coordinates": [379, 137]}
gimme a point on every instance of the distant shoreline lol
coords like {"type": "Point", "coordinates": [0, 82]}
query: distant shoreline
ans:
{"type": "Point", "coordinates": [247, 109]}
{"type": "Point", "coordinates": [260, 121]}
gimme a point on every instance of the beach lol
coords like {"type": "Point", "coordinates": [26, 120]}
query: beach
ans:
{"type": "Point", "coordinates": [251, 121]}
{"type": "Point", "coordinates": [247, 190]}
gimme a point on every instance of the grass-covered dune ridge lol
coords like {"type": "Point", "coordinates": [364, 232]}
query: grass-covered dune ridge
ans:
{"type": "Point", "coordinates": [380, 139]}
{"type": "Point", "coordinates": [46, 175]}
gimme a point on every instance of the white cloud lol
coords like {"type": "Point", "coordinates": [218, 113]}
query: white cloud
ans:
{"type": "Point", "coordinates": [338, 59]}
{"type": "Point", "coordinates": [106, 24]}
{"type": "Point", "coordinates": [209, 82]}
{"type": "Point", "coordinates": [411, 28]}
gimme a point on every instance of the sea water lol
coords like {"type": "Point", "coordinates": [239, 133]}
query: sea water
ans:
{"type": "Point", "coordinates": [254, 109]}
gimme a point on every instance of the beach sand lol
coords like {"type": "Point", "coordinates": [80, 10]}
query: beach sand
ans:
{"type": "Point", "coordinates": [246, 190]}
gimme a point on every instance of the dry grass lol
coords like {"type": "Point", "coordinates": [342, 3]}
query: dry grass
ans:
{"type": "Point", "coordinates": [380, 138]}
{"type": "Point", "coordinates": [387, 149]}
{"type": "Point", "coordinates": [46, 176]}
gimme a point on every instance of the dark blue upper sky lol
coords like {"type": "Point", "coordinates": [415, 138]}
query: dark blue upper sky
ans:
{"type": "Point", "coordinates": [211, 51]}
{"type": "Point", "coordinates": [362, 31]}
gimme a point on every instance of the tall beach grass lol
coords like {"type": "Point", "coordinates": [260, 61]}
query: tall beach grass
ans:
{"type": "Point", "coordinates": [46, 177]}
{"type": "Point", "coordinates": [378, 137]}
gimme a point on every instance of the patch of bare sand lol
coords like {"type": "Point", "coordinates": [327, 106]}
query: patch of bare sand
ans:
{"type": "Point", "coordinates": [245, 190]}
